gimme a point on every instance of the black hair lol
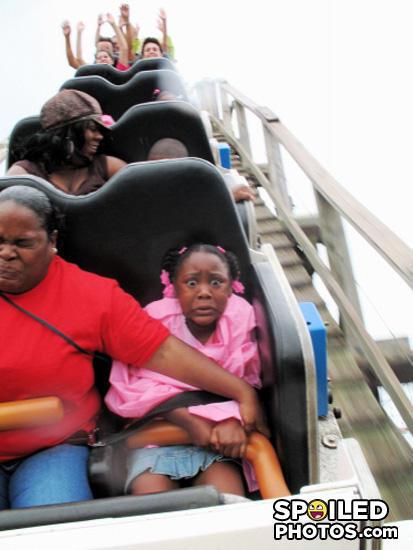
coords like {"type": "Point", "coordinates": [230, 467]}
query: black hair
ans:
{"type": "Point", "coordinates": [53, 149]}
{"type": "Point", "coordinates": [148, 40]}
{"type": "Point", "coordinates": [175, 256]}
{"type": "Point", "coordinates": [49, 216]}
{"type": "Point", "coordinates": [105, 39]}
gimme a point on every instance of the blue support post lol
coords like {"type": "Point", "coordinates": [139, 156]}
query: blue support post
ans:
{"type": "Point", "coordinates": [318, 335]}
{"type": "Point", "coordinates": [224, 154]}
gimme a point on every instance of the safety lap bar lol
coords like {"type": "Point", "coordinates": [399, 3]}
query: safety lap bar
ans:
{"type": "Point", "coordinates": [260, 453]}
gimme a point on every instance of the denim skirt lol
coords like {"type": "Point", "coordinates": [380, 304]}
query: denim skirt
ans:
{"type": "Point", "coordinates": [175, 461]}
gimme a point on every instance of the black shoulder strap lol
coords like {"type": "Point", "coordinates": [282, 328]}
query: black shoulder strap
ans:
{"type": "Point", "coordinates": [185, 399]}
{"type": "Point", "coordinates": [48, 325]}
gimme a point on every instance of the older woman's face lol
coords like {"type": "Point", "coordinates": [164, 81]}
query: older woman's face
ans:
{"type": "Point", "coordinates": [25, 248]}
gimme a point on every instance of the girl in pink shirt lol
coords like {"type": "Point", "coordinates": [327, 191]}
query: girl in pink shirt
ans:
{"type": "Point", "coordinates": [200, 308]}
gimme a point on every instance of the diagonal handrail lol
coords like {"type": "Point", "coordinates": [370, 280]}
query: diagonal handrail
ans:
{"type": "Point", "coordinates": [355, 324]}
{"type": "Point", "coordinates": [393, 249]}
{"type": "Point", "coordinates": [397, 253]}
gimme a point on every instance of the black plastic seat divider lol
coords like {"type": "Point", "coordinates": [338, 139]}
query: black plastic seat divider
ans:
{"type": "Point", "coordinates": [120, 77]}
{"type": "Point", "coordinates": [123, 230]}
{"type": "Point", "coordinates": [116, 99]}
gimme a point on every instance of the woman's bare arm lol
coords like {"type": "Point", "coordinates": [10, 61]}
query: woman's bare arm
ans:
{"type": "Point", "coordinates": [71, 59]}
{"type": "Point", "coordinates": [114, 164]}
{"type": "Point", "coordinates": [176, 359]}
{"type": "Point", "coordinates": [16, 170]}
{"type": "Point", "coordinates": [79, 54]}
{"type": "Point", "coordinates": [127, 29]}
{"type": "Point", "coordinates": [123, 47]}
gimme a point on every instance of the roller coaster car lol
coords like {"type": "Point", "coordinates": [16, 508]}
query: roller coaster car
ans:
{"type": "Point", "coordinates": [123, 230]}
{"type": "Point", "coordinates": [137, 130]}
{"type": "Point", "coordinates": [116, 99]}
{"type": "Point", "coordinates": [120, 77]}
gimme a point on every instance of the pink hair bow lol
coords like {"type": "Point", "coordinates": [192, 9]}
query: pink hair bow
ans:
{"type": "Point", "coordinates": [238, 287]}
{"type": "Point", "coordinates": [168, 291]}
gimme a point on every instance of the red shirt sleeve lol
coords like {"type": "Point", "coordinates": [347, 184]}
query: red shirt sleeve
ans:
{"type": "Point", "coordinates": [121, 67]}
{"type": "Point", "coordinates": [129, 333]}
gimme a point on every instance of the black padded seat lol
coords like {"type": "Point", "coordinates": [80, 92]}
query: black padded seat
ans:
{"type": "Point", "coordinates": [142, 125]}
{"type": "Point", "coordinates": [120, 77]}
{"type": "Point", "coordinates": [116, 99]}
{"type": "Point", "coordinates": [122, 231]}
{"type": "Point", "coordinates": [25, 127]}
{"type": "Point", "coordinates": [137, 130]}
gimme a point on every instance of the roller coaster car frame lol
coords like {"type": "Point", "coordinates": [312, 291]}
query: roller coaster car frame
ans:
{"type": "Point", "coordinates": [122, 231]}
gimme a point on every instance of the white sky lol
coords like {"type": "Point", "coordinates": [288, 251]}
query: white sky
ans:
{"type": "Point", "coordinates": [337, 72]}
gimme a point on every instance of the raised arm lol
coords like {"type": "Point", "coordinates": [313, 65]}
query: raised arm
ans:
{"type": "Point", "coordinates": [162, 26]}
{"type": "Point", "coordinates": [127, 29]}
{"type": "Point", "coordinates": [79, 55]}
{"type": "Point", "coordinates": [123, 47]}
{"type": "Point", "coordinates": [97, 34]}
{"type": "Point", "coordinates": [71, 59]}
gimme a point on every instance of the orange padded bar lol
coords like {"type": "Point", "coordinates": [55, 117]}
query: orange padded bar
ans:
{"type": "Point", "coordinates": [260, 453]}
{"type": "Point", "coordinates": [30, 412]}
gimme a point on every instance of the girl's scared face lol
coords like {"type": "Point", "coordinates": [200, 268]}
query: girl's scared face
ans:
{"type": "Point", "coordinates": [203, 286]}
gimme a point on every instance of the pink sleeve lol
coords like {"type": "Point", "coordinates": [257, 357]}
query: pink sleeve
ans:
{"type": "Point", "coordinates": [242, 325]}
{"type": "Point", "coordinates": [217, 412]}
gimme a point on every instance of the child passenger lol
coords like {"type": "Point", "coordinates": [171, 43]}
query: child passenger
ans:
{"type": "Point", "coordinates": [200, 308]}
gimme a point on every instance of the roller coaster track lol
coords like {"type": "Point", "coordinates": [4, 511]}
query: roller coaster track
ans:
{"type": "Point", "coordinates": [389, 456]}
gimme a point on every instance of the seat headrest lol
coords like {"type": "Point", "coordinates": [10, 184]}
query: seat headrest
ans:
{"type": "Point", "coordinates": [24, 128]}
{"type": "Point", "coordinates": [120, 77]}
{"type": "Point", "coordinates": [142, 125]}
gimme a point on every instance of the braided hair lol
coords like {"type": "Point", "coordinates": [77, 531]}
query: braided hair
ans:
{"type": "Point", "coordinates": [175, 256]}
